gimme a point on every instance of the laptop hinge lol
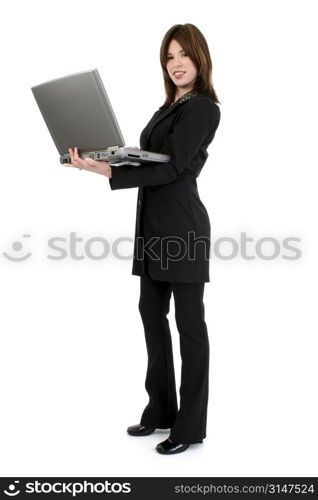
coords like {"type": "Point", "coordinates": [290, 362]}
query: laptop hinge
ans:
{"type": "Point", "coordinates": [111, 147]}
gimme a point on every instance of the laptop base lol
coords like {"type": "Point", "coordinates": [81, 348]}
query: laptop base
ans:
{"type": "Point", "coordinates": [115, 155]}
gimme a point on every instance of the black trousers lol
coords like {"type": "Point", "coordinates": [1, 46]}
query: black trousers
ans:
{"type": "Point", "coordinates": [188, 424]}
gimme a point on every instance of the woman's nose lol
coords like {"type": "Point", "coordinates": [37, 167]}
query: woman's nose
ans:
{"type": "Point", "coordinates": [177, 63]}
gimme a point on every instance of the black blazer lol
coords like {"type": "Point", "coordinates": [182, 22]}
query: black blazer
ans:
{"type": "Point", "coordinates": [172, 232]}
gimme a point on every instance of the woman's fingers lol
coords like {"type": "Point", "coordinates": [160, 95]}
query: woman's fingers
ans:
{"type": "Point", "coordinates": [70, 150]}
{"type": "Point", "coordinates": [99, 167]}
{"type": "Point", "coordinates": [76, 161]}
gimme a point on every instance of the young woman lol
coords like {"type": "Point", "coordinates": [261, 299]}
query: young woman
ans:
{"type": "Point", "coordinates": [172, 238]}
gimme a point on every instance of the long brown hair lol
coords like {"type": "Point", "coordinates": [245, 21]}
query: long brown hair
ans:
{"type": "Point", "coordinates": [196, 47]}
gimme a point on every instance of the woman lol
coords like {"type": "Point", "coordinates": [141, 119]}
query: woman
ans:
{"type": "Point", "coordinates": [172, 238]}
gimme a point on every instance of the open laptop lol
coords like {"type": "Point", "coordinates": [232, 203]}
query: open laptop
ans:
{"type": "Point", "coordinates": [77, 112]}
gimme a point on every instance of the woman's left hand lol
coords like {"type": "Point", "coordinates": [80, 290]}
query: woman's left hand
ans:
{"type": "Point", "coordinates": [99, 167]}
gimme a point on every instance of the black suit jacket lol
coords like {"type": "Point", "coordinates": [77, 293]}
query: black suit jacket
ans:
{"type": "Point", "coordinates": [172, 232]}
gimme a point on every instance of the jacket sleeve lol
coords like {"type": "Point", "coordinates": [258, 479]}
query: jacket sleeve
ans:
{"type": "Point", "coordinates": [199, 119]}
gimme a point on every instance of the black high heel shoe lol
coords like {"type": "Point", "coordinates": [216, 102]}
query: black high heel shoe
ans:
{"type": "Point", "coordinates": [168, 447]}
{"type": "Point", "coordinates": [140, 430]}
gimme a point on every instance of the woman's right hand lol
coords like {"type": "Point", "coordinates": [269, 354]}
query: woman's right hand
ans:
{"type": "Point", "coordinates": [98, 167]}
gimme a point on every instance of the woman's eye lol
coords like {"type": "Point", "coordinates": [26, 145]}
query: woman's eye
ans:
{"type": "Point", "coordinates": [171, 57]}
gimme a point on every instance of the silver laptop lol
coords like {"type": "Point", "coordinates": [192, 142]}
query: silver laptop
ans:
{"type": "Point", "coordinates": [77, 112]}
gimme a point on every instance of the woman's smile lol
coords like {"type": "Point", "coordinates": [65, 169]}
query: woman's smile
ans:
{"type": "Point", "coordinates": [178, 74]}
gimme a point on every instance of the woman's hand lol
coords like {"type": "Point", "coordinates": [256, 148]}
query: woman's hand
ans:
{"type": "Point", "coordinates": [99, 167]}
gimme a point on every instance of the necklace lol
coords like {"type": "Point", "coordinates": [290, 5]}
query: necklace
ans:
{"type": "Point", "coordinates": [185, 97]}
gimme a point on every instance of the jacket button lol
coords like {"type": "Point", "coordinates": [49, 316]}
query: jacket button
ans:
{"type": "Point", "coordinates": [139, 202]}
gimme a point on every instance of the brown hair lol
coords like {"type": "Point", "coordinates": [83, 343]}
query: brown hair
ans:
{"type": "Point", "coordinates": [196, 47]}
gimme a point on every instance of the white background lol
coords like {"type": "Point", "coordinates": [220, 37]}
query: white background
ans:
{"type": "Point", "coordinates": [73, 356]}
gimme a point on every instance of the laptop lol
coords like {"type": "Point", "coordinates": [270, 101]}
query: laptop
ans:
{"type": "Point", "coordinates": [77, 112]}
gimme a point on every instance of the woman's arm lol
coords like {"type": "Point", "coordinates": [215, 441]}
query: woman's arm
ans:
{"type": "Point", "coordinates": [198, 120]}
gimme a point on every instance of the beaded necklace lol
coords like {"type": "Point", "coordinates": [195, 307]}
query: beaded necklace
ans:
{"type": "Point", "coordinates": [185, 97]}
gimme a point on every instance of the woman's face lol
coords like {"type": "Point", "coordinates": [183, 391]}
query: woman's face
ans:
{"type": "Point", "coordinates": [179, 61]}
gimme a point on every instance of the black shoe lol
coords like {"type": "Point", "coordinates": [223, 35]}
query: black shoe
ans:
{"type": "Point", "coordinates": [140, 430]}
{"type": "Point", "coordinates": [168, 447]}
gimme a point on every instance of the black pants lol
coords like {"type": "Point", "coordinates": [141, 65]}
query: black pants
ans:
{"type": "Point", "coordinates": [188, 424]}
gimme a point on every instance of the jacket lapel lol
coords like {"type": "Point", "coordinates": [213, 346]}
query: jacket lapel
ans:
{"type": "Point", "coordinates": [158, 116]}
